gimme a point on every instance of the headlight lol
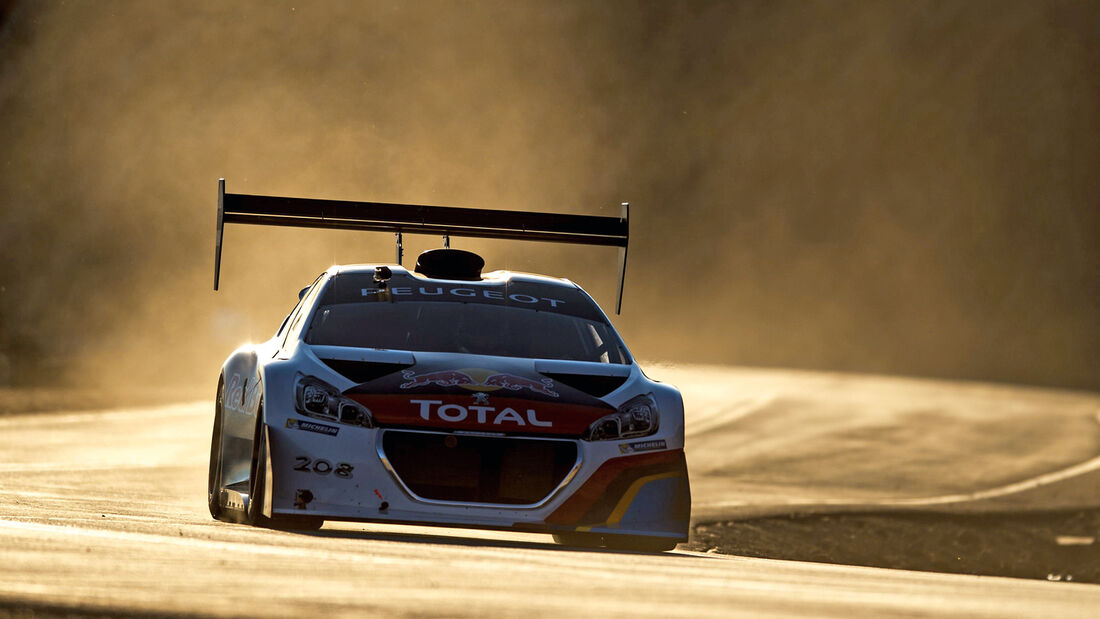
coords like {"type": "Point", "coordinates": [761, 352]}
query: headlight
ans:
{"type": "Point", "coordinates": [316, 398]}
{"type": "Point", "coordinates": [638, 417]}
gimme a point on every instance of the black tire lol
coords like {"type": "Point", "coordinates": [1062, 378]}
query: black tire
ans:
{"type": "Point", "coordinates": [257, 486]}
{"type": "Point", "coordinates": [579, 540]}
{"type": "Point", "coordinates": [283, 522]}
{"type": "Point", "coordinates": [639, 543]}
{"type": "Point", "coordinates": [635, 543]}
{"type": "Point", "coordinates": [257, 475]}
{"type": "Point", "coordinates": [213, 484]}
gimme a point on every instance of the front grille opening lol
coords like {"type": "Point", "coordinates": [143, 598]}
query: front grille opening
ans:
{"type": "Point", "coordinates": [477, 469]}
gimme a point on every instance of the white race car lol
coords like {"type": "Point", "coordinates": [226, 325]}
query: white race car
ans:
{"type": "Point", "coordinates": [445, 396]}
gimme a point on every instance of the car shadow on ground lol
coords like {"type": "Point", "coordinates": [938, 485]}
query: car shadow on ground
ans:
{"type": "Point", "coordinates": [463, 540]}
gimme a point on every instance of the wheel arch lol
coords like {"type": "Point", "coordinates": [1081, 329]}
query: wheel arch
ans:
{"type": "Point", "coordinates": [242, 389]}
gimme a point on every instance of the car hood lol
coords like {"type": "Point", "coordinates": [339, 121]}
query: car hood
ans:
{"type": "Point", "coordinates": [491, 394]}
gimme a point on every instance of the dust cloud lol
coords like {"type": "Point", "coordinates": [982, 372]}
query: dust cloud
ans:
{"type": "Point", "coordinates": [887, 187]}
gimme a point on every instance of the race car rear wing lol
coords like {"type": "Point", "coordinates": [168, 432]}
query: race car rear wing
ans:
{"type": "Point", "coordinates": [236, 208]}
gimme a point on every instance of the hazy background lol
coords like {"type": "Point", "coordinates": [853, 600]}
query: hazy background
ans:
{"type": "Point", "coordinates": [894, 187]}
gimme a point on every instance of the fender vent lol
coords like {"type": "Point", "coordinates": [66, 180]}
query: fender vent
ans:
{"type": "Point", "coordinates": [597, 386]}
{"type": "Point", "coordinates": [363, 371]}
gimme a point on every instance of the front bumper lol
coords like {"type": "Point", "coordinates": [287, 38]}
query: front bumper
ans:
{"type": "Point", "coordinates": [512, 483]}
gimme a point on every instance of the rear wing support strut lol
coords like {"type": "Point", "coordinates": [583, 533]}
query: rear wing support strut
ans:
{"type": "Point", "coordinates": [622, 259]}
{"type": "Point", "coordinates": [448, 221]}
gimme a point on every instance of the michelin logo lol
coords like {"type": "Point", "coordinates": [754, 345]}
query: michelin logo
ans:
{"type": "Point", "coordinates": [312, 426]}
{"type": "Point", "coordinates": [641, 446]}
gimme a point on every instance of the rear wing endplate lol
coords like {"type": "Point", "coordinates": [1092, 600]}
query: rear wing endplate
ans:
{"type": "Point", "coordinates": [235, 208]}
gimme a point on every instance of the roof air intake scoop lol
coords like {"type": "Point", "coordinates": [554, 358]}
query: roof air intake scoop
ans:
{"type": "Point", "coordinates": [450, 264]}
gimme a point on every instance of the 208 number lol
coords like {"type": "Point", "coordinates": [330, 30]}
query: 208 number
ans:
{"type": "Point", "coordinates": [323, 467]}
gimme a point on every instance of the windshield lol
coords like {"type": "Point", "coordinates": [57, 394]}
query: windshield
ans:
{"type": "Point", "coordinates": [399, 321]}
{"type": "Point", "coordinates": [465, 328]}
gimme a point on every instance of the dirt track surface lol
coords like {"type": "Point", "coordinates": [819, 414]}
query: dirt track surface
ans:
{"type": "Point", "coordinates": [763, 442]}
{"type": "Point", "coordinates": [1055, 546]}
{"type": "Point", "coordinates": [104, 511]}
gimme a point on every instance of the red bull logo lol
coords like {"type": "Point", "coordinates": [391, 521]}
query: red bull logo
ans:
{"type": "Point", "coordinates": [516, 383]}
{"type": "Point", "coordinates": [242, 396]}
{"type": "Point", "coordinates": [478, 380]}
{"type": "Point", "coordinates": [447, 378]}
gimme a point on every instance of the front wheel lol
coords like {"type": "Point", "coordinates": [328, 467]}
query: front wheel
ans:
{"type": "Point", "coordinates": [257, 488]}
{"type": "Point", "coordinates": [579, 540]}
{"type": "Point", "coordinates": [639, 543]}
{"type": "Point", "coordinates": [214, 479]}
{"type": "Point", "coordinates": [636, 543]}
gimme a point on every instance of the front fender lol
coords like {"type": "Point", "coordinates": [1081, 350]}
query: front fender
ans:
{"type": "Point", "coordinates": [241, 393]}
{"type": "Point", "coordinates": [671, 405]}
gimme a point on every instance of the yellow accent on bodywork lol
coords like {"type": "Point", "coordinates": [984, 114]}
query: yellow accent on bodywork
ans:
{"type": "Point", "coordinates": [628, 497]}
